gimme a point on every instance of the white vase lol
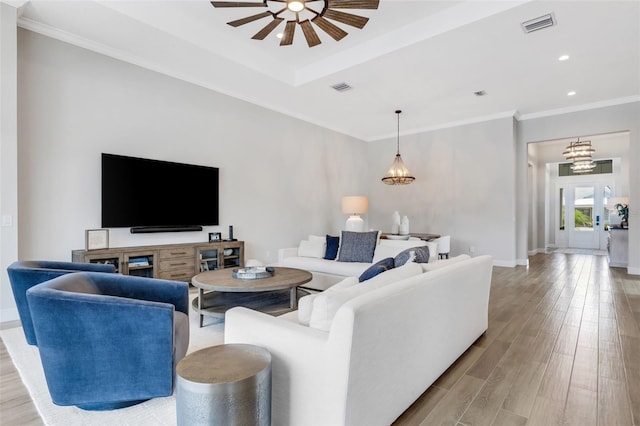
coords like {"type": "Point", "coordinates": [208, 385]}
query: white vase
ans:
{"type": "Point", "coordinates": [404, 226]}
{"type": "Point", "coordinates": [395, 223]}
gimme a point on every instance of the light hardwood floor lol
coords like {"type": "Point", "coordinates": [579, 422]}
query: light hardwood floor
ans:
{"type": "Point", "coordinates": [562, 348]}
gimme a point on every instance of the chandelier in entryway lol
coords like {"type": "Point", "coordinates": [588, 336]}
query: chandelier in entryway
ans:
{"type": "Point", "coordinates": [580, 153]}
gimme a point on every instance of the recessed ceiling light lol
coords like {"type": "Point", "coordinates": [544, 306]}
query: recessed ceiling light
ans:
{"type": "Point", "coordinates": [279, 35]}
{"type": "Point", "coordinates": [571, 93]}
{"type": "Point", "coordinates": [563, 58]}
{"type": "Point", "coordinates": [480, 93]}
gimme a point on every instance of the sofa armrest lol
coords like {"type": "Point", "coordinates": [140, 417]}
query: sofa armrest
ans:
{"type": "Point", "coordinates": [287, 252]}
{"type": "Point", "coordinates": [306, 372]}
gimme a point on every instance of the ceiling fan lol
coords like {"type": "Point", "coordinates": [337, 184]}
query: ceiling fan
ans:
{"type": "Point", "coordinates": [305, 13]}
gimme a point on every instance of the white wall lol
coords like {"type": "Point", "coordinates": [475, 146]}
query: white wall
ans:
{"type": "Point", "coordinates": [464, 187]}
{"type": "Point", "coordinates": [8, 157]}
{"type": "Point", "coordinates": [280, 178]}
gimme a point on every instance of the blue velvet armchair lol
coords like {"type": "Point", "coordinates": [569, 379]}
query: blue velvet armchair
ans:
{"type": "Point", "coordinates": [25, 274]}
{"type": "Point", "coordinates": [109, 341]}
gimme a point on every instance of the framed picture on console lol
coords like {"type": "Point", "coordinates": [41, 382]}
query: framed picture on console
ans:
{"type": "Point", "coordinates": [215, 236]}
{"type": "Point", "coordinates": [96, 239]}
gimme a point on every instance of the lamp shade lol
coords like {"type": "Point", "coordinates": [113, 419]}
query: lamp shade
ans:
{"type": "Point", "coordinates": [355, 204]}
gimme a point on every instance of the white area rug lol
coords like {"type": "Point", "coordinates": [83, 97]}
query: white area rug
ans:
{"type": "Point", "coordinates": [156, 412]}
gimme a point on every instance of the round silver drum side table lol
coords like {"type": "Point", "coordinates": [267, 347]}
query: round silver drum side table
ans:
{"type": "Point", "coordinates": [224, 385]}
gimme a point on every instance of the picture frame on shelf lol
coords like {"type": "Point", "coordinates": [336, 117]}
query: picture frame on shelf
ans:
{"type": "Point", "coordinates": [215, 237]}
{"type": "Point", "coordinates": [96, 239]}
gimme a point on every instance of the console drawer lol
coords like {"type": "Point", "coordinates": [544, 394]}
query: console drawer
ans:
{"type": "Point", "coordinates": [177, 275]}
{"type": "Point", "coordinates": [179, 263]}
{"type": "Point", "coordinates": [177, 252]}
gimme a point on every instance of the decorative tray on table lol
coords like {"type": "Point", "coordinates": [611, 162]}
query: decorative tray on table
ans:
{"type": "Point", "coordinates": [253, 272]}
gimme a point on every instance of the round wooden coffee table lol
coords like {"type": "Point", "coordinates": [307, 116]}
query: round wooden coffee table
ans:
{"type": "Point", "coordinates": [218, 291]}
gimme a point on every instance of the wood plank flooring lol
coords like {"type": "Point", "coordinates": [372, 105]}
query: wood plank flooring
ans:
{"type": "Point", "coordinates": [563, 348]}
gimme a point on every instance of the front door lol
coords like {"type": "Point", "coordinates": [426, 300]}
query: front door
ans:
{"type": "Point", "coordinates": [583, 214]}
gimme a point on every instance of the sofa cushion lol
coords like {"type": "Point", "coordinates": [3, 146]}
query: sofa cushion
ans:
{"type": "Point", "coordinates": [377, 268]}
{"type": "Point", "coordinates": [414, 254]}
{"type": "Point", "coordinates": [332, 247]}
{"type": "Point", "coordinates": [346, 269]}
{"type": "Point", "coordinates": [432, 266]}
{"type": "Point", "coordinates": [326, 304]}
{"type": "Point", "coordinates": [357, 246]}
{"type": "Point", "coordinates": [308, 248]}
{"type": "Point", "coordinates": [305, 304]}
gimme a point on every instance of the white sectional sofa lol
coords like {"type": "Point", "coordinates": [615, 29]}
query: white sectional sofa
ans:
{"type": "Point", "coordinates": [328, 272]}
{"type": "Point", "coordinates": [387, 342]}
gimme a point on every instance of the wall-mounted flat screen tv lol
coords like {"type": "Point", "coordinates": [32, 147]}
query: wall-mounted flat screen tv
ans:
{"type": "Point", "coordinates": [153, 194]}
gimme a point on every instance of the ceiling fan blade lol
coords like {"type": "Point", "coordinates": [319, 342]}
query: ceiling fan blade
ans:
{"type": "Point", "coordinates": [287, 37]}
{"type": "Point", "coordinates": [260, 35]}
{"type": "Point", "coordinates": [346, 18]}
{"type": "Point", "coordinates": [330, 28]}
{"type": "Point", "coordinates": [353, 4]}
{"type": "Point", "coordinates": [248, 19]}
{"type": "Point", "coordinates": [238, 4]}
{"type": "Point", "coordinates": [309, 33]}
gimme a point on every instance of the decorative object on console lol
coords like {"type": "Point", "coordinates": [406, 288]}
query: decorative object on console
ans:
{"type": "Point", "coordinates": [357, 246]}
{"type": "Point", "coordinates": [395, 223]}
{"type": "Point", "coordinates": [398, 174]}
{"type": "Point", "coordinates": [623, 212]}
{"type": "Point", "coordinates": [404, 226]}
{"type": "Point", "coordinates": [215, 236]}
{"type": "Point", "coordinates": [354, 205]}
{"type": "Point", "coordinates": [580, 153]}
{"type": "Point", "coordinates": [231, 234]}
{"type": "Point", "coordinates": [96, 239]}
{"type": "Point", "coordinates": [303, 13]}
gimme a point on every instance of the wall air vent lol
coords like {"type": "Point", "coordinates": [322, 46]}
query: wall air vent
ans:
{"type": "Point", "coordinates": [341, 87]}
{"type": "Point", "coordinates": [539, 23]}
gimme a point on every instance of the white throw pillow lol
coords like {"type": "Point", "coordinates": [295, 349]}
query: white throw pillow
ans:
{"type": "Point", "coordinates": [326, 304]}
{"type": "Point", "coordinates": [312, 248]}
{"type": "Point", "coordinates": [432, 266]}
{"type": "Point", "coordinates": [305, 304]}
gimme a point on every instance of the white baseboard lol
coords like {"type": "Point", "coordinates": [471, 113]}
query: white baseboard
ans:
{"type": "Point", "coordinates": [522, 262]}
{"type": "Point", "coordinates": [536, 251]}
{"type": "Point", "coordinates": [633, 271]}
{"type": "Point", "coordinates": [505, 263]}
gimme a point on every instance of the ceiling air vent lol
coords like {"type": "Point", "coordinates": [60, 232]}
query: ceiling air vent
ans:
{"type": "Point", "coordinates": [341, 87]}
{"type": "Point", "coordinates": [539, 23]}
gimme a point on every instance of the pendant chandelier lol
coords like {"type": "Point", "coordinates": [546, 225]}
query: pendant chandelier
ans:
{"type": "Point", "coordinates": [580, 153]}
{"type": "Point", "coordinates": [398, 173]}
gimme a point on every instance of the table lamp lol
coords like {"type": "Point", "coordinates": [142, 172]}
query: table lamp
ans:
{"type": "Point", "coordinates": [354, 206]}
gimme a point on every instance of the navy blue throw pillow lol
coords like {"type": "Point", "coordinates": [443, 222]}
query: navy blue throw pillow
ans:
{"type": "Point", "coordinates": [377, 268]}
{"type": "Point", "coordinates": [422, 255]}
{"type": "Point", "coordinates": [332, 247]}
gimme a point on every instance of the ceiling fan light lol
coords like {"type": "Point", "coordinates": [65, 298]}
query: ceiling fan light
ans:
{"type": "Point", "coordinates": [295, 5]}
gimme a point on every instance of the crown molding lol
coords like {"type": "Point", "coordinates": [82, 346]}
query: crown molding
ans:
{"type": "Point", "coordinates": [491, 117]}
{"type": "Point", "coordinates": [583, 107]}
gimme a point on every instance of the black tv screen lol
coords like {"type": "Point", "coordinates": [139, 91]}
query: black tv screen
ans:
{"type": "Point", "coordinates": [139, 192]}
